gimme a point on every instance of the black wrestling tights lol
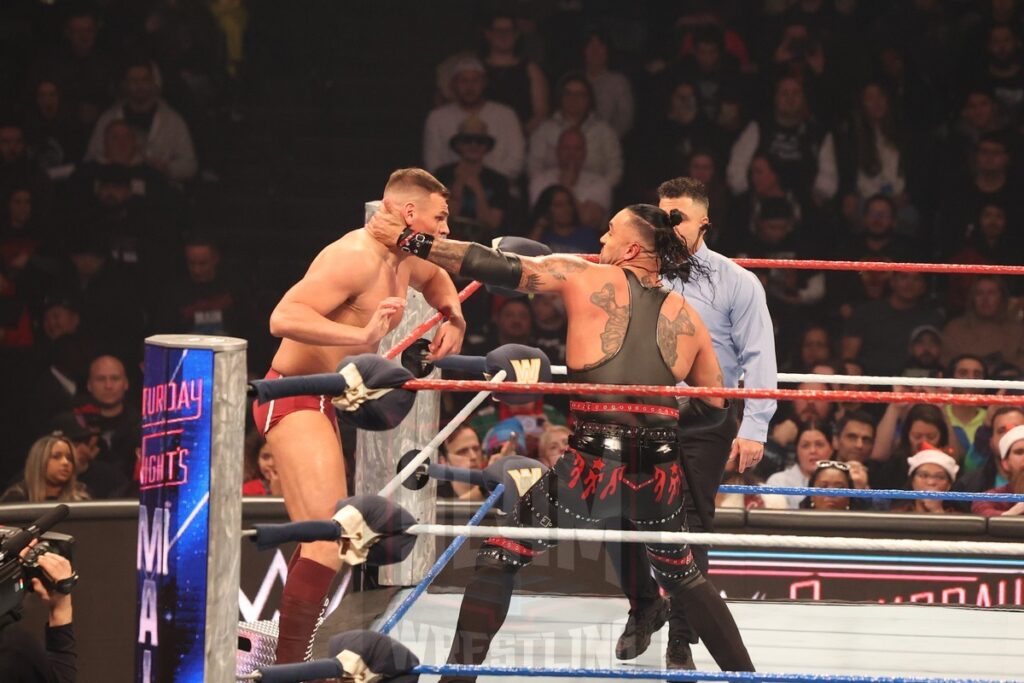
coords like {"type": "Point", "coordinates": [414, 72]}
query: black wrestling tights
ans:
{"type": "Point", "coordinates": [484, 609]}
{"type": "Point", "coordinates": [710, 618]}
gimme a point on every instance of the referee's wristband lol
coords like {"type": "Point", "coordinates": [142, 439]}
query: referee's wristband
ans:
{"type": "Point", "coordinates": [415, 243]}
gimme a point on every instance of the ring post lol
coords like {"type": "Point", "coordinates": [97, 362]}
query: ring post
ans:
{"type": "Point", "coordinates": [190, 512]}
{"type": "Point", "coordinates": [378, 453]}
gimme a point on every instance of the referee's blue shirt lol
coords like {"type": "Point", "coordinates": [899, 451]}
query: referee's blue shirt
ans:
{"type": "Point", "coordinates": [732, 304]}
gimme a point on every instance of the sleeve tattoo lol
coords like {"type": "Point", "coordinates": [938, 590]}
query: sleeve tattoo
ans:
{"type": "Point", "coordinates": [540, 273]}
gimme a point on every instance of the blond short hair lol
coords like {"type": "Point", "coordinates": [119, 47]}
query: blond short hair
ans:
{"type": "Point", "coordinates": [549, 434]}
{"type": "Point", "coordinates": [405, 179]}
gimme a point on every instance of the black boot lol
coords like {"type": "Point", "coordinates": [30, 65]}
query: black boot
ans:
{"type": "Point", "coordinates": [708, 614]}
{"type": "Point", "coordinates": [642, 624]}
{"type": "Point", "coordinates": [678, 655]}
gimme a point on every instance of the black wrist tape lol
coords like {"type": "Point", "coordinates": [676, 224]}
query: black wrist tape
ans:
{"type": "Point", "coordinates": [492, 267]}
{"type": "Point", "coordinates": [415, 243]}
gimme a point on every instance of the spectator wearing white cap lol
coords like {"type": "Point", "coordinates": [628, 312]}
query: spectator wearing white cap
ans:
{"type": "Point", "coordinates": [468, 82]}
{"type": "Point", "coordinates": [1011, 464]}
{"type": "Point", "coordinates": [929, 470]}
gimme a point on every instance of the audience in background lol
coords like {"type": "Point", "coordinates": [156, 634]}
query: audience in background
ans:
{"type": "Point", "coordinates": [468, 79]}
{"type": "Point", "coordinates": [100, 479]}
{"type": "Point", "coordinates": [613, 93]}
{"type": "Point", "coordinates": [829, 474]}
{"type": "Point", "coordinates": [478, 193]}
{"type": "Point", "coordinates": [552, 444]}
{"type": "Point", "coordinates": [929, 470]}
{"type": "Point", "coordinates": [901, 433]}
{"type": "Point", "coordinates": [508, 437]}
{"type": "Point", "coordinates": [107, 409]}
{"type": "Point", "coordinates": [926, 347]}
{"type": "Point", "coordinates": [878, 331]}
{"type": "Point", "coordinates": [802, 148]}
{"type": "Point", "coordinates": [82, 65]}
{"type": "Point", "coordinates": [164, 139]}
{"type": "Point", "coordinates": [813, 444]}
{"type": "Point", "coordinates": [987, 329]}
{"type": "Point", "coordinates": [512, 78]}
{"type": "Point", "coordinates": [574, 98]}
{"type": "Point", "coordinates": [592, 192]}
{"type": "Point", "coordinates": [259, 475]}
{"type": "Point", "coordinates": [461, 449]}
{"type": "Point", "coordinates": [982, 468]}
{"type": "Point", "coordinates": [854, 438]}
{"type": "Point", "coordinates": [206, 298]}
{"type": "Point", "coordinates": [964, 420]}
{"type": "Point", "coordinates": [49, 474]}
{"type": "Point", "coordinates": [1011, 466]}
{"type": "Point", "coordinates": [557, 223]}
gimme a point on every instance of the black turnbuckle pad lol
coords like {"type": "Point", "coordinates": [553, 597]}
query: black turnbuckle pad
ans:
{"type": "Point", "coordinates": [419, 478]}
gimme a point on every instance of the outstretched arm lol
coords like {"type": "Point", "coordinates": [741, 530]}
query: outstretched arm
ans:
{"type": "Point", "coordinates": [468, 259]}
{"type": "Point", "coordinates": [495, 267]}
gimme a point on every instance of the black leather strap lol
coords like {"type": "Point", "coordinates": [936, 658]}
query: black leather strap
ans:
{"type": "Point", "coordinates": [415, 243]}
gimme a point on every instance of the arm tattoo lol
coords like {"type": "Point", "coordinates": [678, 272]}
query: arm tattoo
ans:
{"type": "Point", "coordinates": [535, 270]}
{"type": "Point", "coordinates": [669, 332]}
{"type": "Point", "coordinates": [615, 329]}
{"type": "Point", "coordinates": [448, 254]}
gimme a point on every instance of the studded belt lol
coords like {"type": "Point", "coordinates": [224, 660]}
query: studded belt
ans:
{"type": "Point", "coordinates": [614, 431]}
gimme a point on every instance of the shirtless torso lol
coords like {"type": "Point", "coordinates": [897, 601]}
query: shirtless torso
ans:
{"type": "Point", "coordinates": [352, 299]}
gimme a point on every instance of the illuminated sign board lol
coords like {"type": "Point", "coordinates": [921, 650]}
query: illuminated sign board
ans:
{"type": "Point", "coordinates": [174, 482]}
{"type": "Point", "coordinates": [812, 576]}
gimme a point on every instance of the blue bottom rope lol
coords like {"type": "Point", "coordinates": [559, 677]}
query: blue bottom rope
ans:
{"type": "Point", "coordinates": [872, 493]}
{"type": "Point", "coordinates": [676, 675]}
{"type": "Point", "coordinates": [440, 564]}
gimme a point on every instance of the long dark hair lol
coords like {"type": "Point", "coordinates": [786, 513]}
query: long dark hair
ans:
{"type": "Point", "coordinates": [865, 137]}
{"type": "Point", "coordinates": [927, 413]}
{"type": "Point", "coordinates": [674, 256]}
{"type": "Point", "coordinates": [547, 197]}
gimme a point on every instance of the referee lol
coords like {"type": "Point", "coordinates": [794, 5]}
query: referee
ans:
{"type": "Point", "coordinates": [732, 303]}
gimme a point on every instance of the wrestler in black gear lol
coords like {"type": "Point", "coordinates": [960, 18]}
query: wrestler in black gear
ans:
{"type": "Point", "coordinates": [622, 461]}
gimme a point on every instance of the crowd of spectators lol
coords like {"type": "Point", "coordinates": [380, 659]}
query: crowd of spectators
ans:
{"type": "Point", "coordinates": [107, 111]}
{"type": "Point", "coordinates": [881, 132]}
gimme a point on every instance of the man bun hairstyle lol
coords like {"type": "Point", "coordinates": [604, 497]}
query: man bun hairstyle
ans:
{"type": "Point", "coordinates": [685, 186]}
{"type": "Point", "coordinates": [674, 258]}
{"type": "Point", "coordinates": [415, 178]}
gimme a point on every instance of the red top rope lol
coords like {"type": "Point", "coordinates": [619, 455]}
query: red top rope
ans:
{"type": "Point", "coordinates": [810, 264]}
{"type": "Point", "coordinates": [408, 340]}
{"type": "Point", "coordinates": [709, 392]}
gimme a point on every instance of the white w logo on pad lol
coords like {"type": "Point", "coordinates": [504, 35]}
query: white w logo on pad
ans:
{"type": "Point", "coordinates": [527, 370]}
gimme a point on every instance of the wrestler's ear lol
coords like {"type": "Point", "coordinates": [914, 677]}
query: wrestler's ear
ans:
{"type": "Point", "coordinates": [408, 212]}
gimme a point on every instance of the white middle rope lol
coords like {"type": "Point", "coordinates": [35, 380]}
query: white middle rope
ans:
{"type": "Point", "coordinates": [737, 540]}
{"type": "Point", "coordinates": [438, 439]}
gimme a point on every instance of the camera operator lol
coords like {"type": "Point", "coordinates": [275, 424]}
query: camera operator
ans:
{"type": "Point", "coordinates": [22, 659]}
